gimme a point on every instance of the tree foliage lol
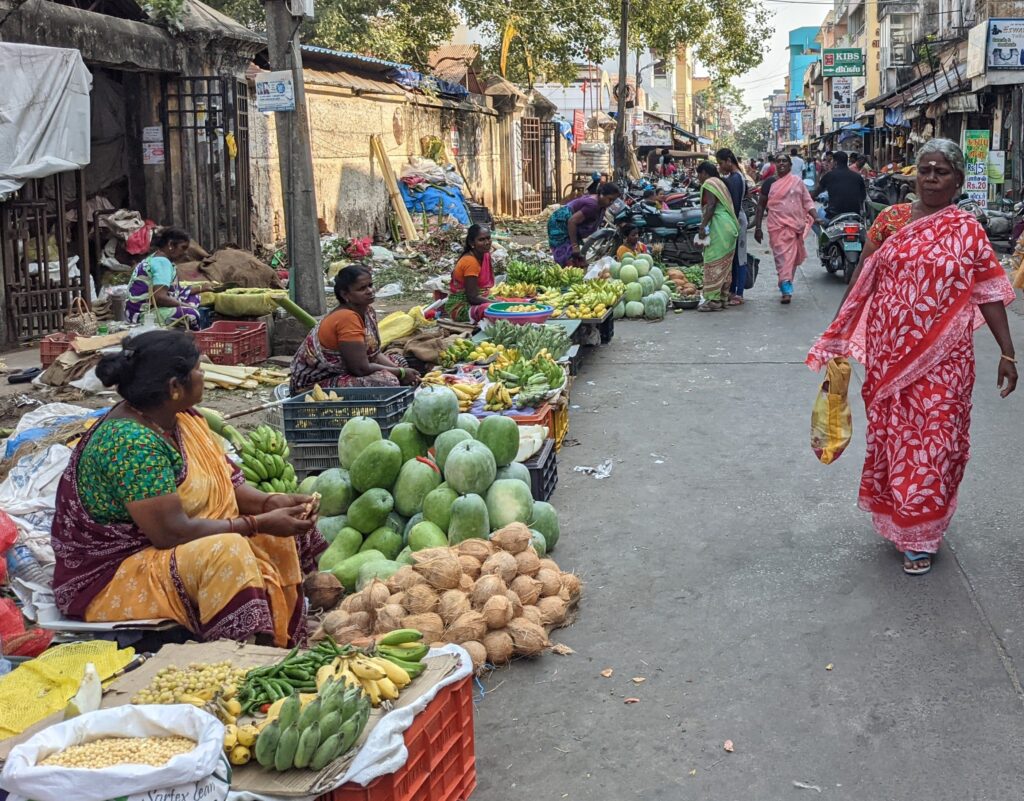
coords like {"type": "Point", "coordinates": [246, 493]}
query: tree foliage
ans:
{"type": "Point", "coordinates": [752, 136]}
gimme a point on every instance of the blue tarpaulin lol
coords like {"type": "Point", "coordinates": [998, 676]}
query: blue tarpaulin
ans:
{"type": "Point", "coordinates": [446, 199]}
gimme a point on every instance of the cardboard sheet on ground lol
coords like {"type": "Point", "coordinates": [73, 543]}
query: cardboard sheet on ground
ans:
{"type": "Point", "coordinates": [444, 666]}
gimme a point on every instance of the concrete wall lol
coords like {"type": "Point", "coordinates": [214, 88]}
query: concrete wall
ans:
{"type": "Point", "coordinates": [350, 193]}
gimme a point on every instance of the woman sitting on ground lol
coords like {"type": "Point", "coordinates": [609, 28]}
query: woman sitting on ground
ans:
{"type": "Point", "coordinates": [153, 520]}
{"type": "Point", "coordinates": [472, 279]}
{"type": "Point", "coordinates": [631, 244]}
{"type": "Point", "coordinates": [343, 349]}
{"type": "Point", "coordinates": [154, 284]}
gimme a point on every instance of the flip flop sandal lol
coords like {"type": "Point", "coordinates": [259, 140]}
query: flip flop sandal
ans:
{"type": "Point", "coordinates": [24, 376]}
{"type": "Point", "coordinates": [913, 557]}
{"type": "Point", "coordinates": [737, 301]}
{"type": "Point", "coordinates": [786, 299]}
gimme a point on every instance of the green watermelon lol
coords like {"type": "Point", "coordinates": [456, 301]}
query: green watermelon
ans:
{"type": "Point", "coordinates": [634, 310]}
{"type": "Point", "coordinates": [469, 520]}
{"type": "Point", "coordinates": [615, 269]}
{"type": "Point", "coordinates": [509, 501]}
{"type": "Point", "coordinates": [384, 539]}
{"type": "Point", "coordinates": [335, 488]}
{"type": "Point", "coordinates": [306, 487]}
{"type": "Point", "coordinates": [347, 572]}
{"type": "Point", "coordinates": [515, 470]}
{"type": "Point", "coordinates": [356, 434]}
{"type": "Point", "coordinates": [545, 520]}
{"type": "Point", "coordinates": [382, 569]}
{"type": "Point", "coordinates": [446, 441]}
{"type": "Point", "coordinates": [426, 535]}
{"type": "Point", "coordinates": [405, 557]}
{"type": "Point", "coordinates": [407, 437]}
{"type": "Point", "coordinates": [470, 468]}
{"type": "Point", "coordinates": [396, 521]}
{"type": "Point", "coordinates": [415, 480]}
{"type": "Point", "coordinates": [628, 274]}
{"type": "Point", "coordinates": [435, 409]}
{"type": "Point", "coordinates": [468, 422]}
{"type": "Point", "coordinates": [647, 283]}
{"type": "Point", "coordinates": [346, 543]}
{"type": "Point", "coordinates": [634, 292]}
{"type": "Point", "coordinates": [657, 276]}
{"type": "Point", "coordinates": [370, 510]}
{"type": "Point", "coordinates": [377, 466]}
{"type": "Point", "coordinates": [501, 435]}
{"type": "Point", "coordinates": [643, 265]}
{"type": "Point", "coordinates": [437, 506]}
{"type": "Point", "coordinates": [330, 526]}
{"type": "Point", "coordinates": [538, 542]}
{"type": "Point", "coordinates": [620, 310]}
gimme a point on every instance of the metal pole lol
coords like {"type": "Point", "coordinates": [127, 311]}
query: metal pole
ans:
{"type": "Point", "coordinates": [296, 159]}
{"type": "Point", "coordinates": [620, 122]}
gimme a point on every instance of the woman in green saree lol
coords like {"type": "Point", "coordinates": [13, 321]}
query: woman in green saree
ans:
{"type": "Point", "coordinates": [719, 231]}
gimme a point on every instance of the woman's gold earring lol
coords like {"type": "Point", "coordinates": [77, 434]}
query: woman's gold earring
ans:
{"type": "Point", "coordinates": [175, 396]}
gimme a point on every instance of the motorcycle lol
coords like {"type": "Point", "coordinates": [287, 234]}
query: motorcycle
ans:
{"type": "Point", "coordinates": [840, 242]}
{"type": "Point", "coordinates": [673, 230]}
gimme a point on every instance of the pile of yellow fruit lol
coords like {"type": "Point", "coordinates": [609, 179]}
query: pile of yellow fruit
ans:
{"type": "Point", "coordinates": [582, 312]}
{"type": "Point", "coordinates": [523, 307]}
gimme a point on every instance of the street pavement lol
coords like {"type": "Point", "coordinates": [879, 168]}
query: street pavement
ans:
{"type": "Point", "coordinates": [734, 574]}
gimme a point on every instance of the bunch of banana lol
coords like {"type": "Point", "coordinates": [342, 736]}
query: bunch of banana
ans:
{"type": "Point", "coordinates": [238, 742]}
{"type": "Point", "coordinates": [435, 377]}
{"type": "Point", "coordinates": [314, 735]}
{"type": "Point", "coordinates": [457, 351]}
{"type": "Point", "coordinates": [222, 705]}
{"type": "Point", "coordinates": [317, 394]}
{"type": "Point", "coordinates": [380, 679]}
{"type": "Point", "coordinates": [404, 648]}
{"type": "Point", "coordinates": [517, 290]}
{"type": "Point", "coordinates": [467, 394]}
{"type": "Point", "coordinates": [498, 397]}
{"type": "Point", "coordinates": [264, 461]}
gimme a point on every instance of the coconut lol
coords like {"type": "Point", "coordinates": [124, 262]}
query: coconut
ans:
{"type": "Point", "coordinates": [513, 538]}
{"type": "Point", "coordinates": [517, 603]}
{"type": "Point", "coordinates": [550, 582]}
{"type": "Point", "coordinates": [497, 611]}
{"type": "Point", "coordinates": [478, 653]}
{"type": "Point", "coordinates": [336, 620]}
{"type": "Point", "coordinates": [528, 638]}
{"type": "Point", "coordinates": [484, 588]}
{"type": "Point", "coordinates": [361, 620]}
{"type": "Point", "coordinates": [528, 589]}
{"type": "Point", "coordinates": [532, 613]}
{"type": "Point", "coordinates": [389, 618]}
{"type": "Point", "coordinates": [404, 578]}
{"type": "Point", "coordinates": [550, 564]}
{"type": "Point", "coordinates": [318, 635]}
{"type": "Point", "coordinates": [500, 564]}
{"type": "Point", "coordinates": [354, 603]}
{"type": "Point", "coordinates": [323, 590]}
{"type": "Point", "coordinates": [468, 626]}
{"type": "Point", "coordinates": [499, 646]}
{"type": "Point", "coordinates": [348, 635]}
{"type": "Point", "coordinates": [564, 594]}
{"type": "Point", "coordinates": [376, 595]}
{"type": "Point", "coordinates": [420, 599]}
{"type": "Point", "coordinates": [453, 604]}
{"type": "Point", "coordinates": [438, 644]}
{"type": "Point", "coordinates": [470, 566]}
{"type": "Point", "coordinates": [428, 624]}
{"type": "Point", "coordinates": [439, 566]}
{"type": "Point", "coordinates": [478, 549]}
{"type": "Point", "coordinates": [571, 583]}
{"type": "Point", "coordinates": [466, 584]}
{"type": "Point", "coordinates": [527, 562]}
{"type": "Point", "coordinates": [552, 610]}
{"type": "Point", "coordinates": [398, 599]}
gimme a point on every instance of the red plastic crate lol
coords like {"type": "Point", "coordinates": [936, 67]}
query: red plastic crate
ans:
{"type": "Point", "coordinates": [52, 346]}
{"type": "Point", "coordinates": [234, 343]}
{"type": "Point", "coordinates": [442, 760]}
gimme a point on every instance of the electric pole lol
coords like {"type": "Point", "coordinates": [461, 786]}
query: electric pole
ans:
{"type": "Point", "coordinates": [305, 262]}
{"type": "Point", "coordinates": [620, 121]}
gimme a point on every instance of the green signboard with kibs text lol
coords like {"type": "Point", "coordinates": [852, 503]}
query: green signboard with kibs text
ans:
{"type": "Point", "coordinates": [842, 63]}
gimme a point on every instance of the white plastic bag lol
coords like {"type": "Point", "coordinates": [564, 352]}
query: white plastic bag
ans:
{"type": "Point", "coordinates": [202, 773]}
{"type": "Point", "coordinates": [595, 269]}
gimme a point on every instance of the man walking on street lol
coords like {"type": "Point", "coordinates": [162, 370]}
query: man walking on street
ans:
{"type": "Point", "coordinates": [798, 163]}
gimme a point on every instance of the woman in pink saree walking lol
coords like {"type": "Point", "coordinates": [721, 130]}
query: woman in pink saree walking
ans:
{"type": "Point", "coordinates": [790, 215]}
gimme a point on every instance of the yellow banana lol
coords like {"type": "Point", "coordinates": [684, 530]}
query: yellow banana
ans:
{"type": "Point", "coordinates": [365, 669]}
{"type": "Point", "coordinates": [323, 675]}
{"type": "Point", "coordinates": [230, 737]}
{"type": "Point", "coordinates": [372, 690]}
{"type": "Point", "coordinates": [387, 689]}
{"type": "Point", "coordinates": [398, 675]}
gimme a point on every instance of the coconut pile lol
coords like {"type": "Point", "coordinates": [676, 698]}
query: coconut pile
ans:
{"type": "Point", "coordinates": [497, 599]}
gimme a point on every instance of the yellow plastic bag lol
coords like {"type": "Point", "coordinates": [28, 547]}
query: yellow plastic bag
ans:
{"type": "Point", "coordinates": [831, 420]}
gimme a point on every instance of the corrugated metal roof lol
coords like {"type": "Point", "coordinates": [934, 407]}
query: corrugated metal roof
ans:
{"type": "Point", "coordinates": [351, 80]}
{"type": "Point", "coordinates": [355, 59]}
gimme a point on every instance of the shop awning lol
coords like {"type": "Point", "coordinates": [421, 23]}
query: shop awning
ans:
{"type": "Point", "coordinates": [927, 89]}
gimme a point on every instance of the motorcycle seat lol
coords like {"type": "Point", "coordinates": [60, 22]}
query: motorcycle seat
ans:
{"type": "Point", "coordinates": [845, 217]}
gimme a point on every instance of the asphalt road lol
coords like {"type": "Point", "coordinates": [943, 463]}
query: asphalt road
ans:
{"type": "Point", "coordinates": [734, 574]}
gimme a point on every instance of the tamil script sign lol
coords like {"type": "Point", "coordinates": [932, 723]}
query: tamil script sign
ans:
{"type": "Point", "coordinates": [1005, 49]}
{"type": "Point", "coordinates": [842, 100]}
{"type": "Point", "coordinates": [275, 91]}
{"type": "Point", "coordinates": [976, 158]}
{"type": "Point", "coordinates": [796, 105]}
{"type": "Point", "coordinates": [848, 62]}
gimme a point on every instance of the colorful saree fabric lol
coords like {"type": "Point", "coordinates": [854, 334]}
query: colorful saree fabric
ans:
{"type": "Point", "coordinates": [910, 321]}
{"type": "Point", "coordinates": [457, 307]}
{"type": "Point", "coordinates": [725, 230]}
{"type": "Point", "coordinates": [789, 218]}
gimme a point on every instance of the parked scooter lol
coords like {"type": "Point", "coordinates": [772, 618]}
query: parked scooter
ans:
{"type": "Point", "coordinates": [674, 230]}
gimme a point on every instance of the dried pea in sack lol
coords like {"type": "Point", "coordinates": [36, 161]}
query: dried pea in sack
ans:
{"type": "Point", "coordinates": [831, 419]}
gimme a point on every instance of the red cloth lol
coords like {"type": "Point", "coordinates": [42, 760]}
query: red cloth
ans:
{"type": "Point", "coordinates": [910, 321]}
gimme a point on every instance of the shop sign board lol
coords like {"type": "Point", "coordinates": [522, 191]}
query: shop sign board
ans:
{"type": "Point", "coordinates": [275, 91]}
{"type": "Point", "coordinates": [842, 62]}
{"type": "Point", "coordinates": [842, 100]}
{"type": "Point", "coordinates": [1005, 48]}
{"type": "Point", "coordinates": [653, 135]}
{"type": "Point", "coordinates": [976, 145]}
{"type": "Point", "coordinates": [996, 168]}
{"type": "Point", "coordinates": [796, 105]}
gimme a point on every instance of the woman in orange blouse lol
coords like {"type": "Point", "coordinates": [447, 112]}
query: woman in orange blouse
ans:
{"type": "Point", "coordinates": [472, 278]}
{"type": "Point", "coordinates": [343, 350]}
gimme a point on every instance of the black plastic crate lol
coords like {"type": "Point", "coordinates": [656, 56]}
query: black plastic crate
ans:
{"type": "Point", "coordinates": [607, 329]}
{"type": "Point", "coordinates": [575, 357]}
{"type": "Point", "coordinates": [543, 471]}
{"type": "Point", "coordinates": [312, 459]}
{"type": "Point", "coordinates": [322, 421]}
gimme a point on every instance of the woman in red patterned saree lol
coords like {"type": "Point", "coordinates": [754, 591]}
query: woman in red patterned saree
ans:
{"type": "Point", "coordinates": [927, 279]}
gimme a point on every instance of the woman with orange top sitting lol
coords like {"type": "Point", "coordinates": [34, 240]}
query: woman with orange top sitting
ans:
{"type": "Point", "coordinates": [472, 278]}
{"type": "Point", "coordinates": [343, 350]}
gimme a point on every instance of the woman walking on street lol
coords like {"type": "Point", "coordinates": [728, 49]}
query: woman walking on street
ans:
{"type": "Point", "coordinates": [790, 212]}
{"type": "Point", "coordinates": [732, 175]}
{"type": "Point", "coordinates": [927, 279]}
{"type": "Point", "coordinates": [719, 231]}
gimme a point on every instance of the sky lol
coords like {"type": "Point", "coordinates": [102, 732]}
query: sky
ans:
{"type": "Point", "coordinates": [761, 82]}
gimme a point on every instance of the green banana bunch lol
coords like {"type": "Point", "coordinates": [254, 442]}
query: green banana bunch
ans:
{"type": "Point", "coordinates": [264, 461]}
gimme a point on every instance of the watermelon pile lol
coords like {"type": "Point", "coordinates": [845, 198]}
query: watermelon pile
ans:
{"type": "Point", "coordinates": [647, 297]}
{"type": "Point", "coordinates": [440, 478]}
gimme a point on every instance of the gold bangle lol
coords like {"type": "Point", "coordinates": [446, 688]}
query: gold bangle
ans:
{"type": "Point", "coordinates": [1008, 358]}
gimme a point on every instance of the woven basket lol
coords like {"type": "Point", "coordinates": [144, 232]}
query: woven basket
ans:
{"type": "Point", "coordinates": [80, 319]}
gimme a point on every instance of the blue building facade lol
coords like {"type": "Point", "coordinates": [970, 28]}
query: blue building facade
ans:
{"type": "Point", "coordinates": [803, 51]}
